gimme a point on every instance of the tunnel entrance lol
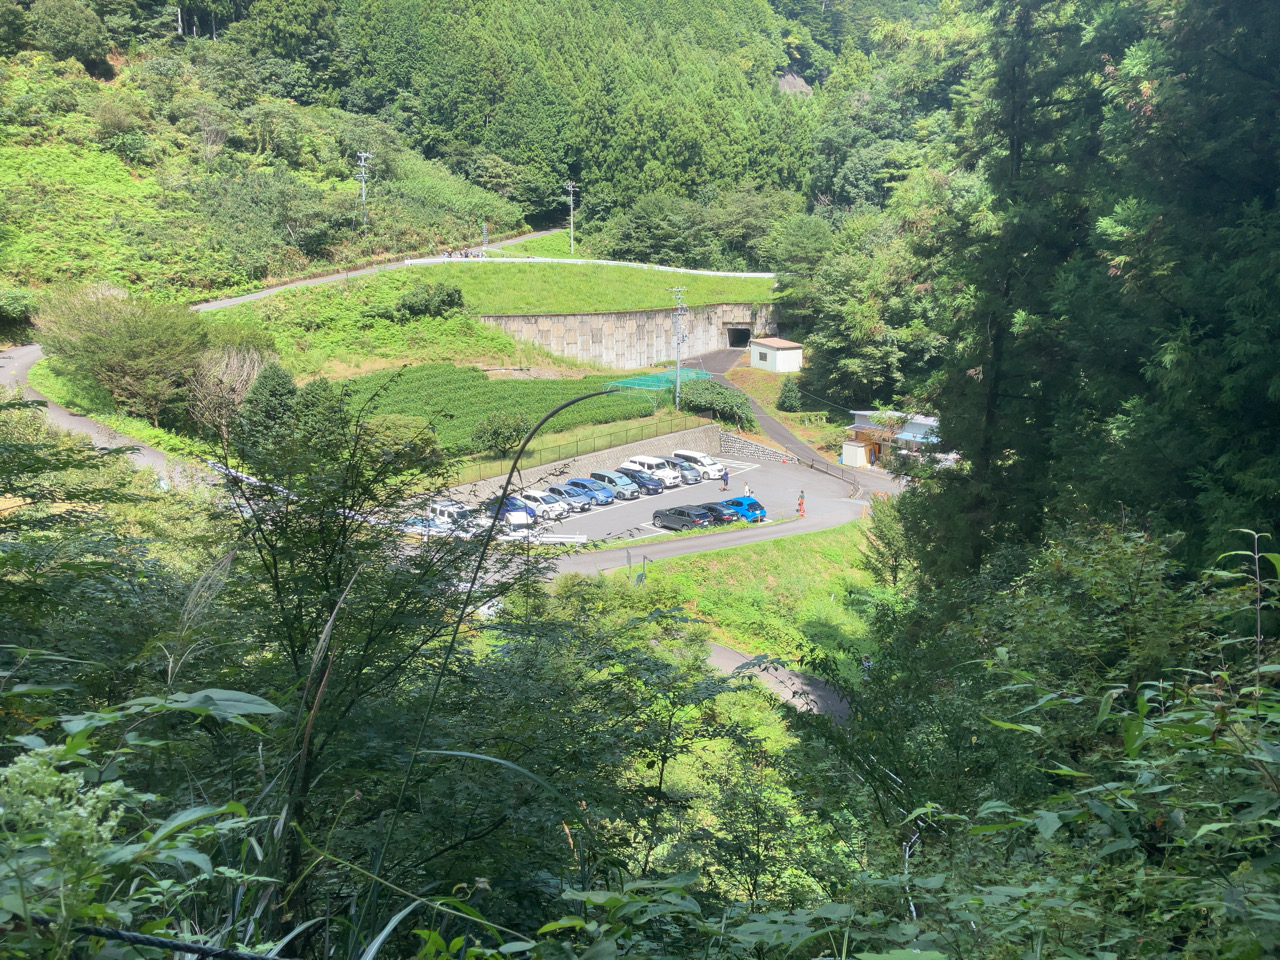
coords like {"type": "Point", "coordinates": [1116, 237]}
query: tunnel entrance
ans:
{"type": "Point", "coordinates": [739, 337]}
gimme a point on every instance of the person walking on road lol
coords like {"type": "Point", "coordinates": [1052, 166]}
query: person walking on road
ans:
{"type": "Point", "coordinates": [746, 489]}
{"type": "Point", "coordinates": [800, 504]}
{"type": "Point", "coordinates": [724, 479]}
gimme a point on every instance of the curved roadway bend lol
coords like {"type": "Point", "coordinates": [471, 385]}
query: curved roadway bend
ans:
{"type": "Point", "coordinates": [16, 362]}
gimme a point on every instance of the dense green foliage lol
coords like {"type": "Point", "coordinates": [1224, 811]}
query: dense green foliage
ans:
{"type": "Point", "coordinates": [140, 354]}
{"type": "Point", "coordinates": [724, 403]}
{"type": "Point", "coordinates": [789, 399]}
{"type": "Point", "coordinates": [500, 433]}
{"type": "Point", "coordinates": [186, 176]}
{"type": "Point", "coordinates": [1120, 363]}
{"type": "Point", "coordinates": [223, 152]}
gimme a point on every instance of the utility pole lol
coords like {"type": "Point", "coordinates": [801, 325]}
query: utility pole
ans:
{"type": "Point", "coordinates": [571, 187]}
{"type": "Point", "coordinates": [363, 177]}
{"type": "Point", "coordinates": [677, 315]}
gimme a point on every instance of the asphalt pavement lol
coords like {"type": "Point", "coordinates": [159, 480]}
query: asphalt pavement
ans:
{"type": "Point", "coordinates": [777, 486]}
{"type": "Point", "coordinates": [16, 362]}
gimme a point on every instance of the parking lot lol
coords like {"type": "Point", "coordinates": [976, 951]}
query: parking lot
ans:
{"type": "Point", "coordinates": [775, 485]}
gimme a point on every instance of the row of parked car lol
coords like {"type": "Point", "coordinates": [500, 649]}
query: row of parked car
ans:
{"type": "Point", "coordinates": [639, 476]}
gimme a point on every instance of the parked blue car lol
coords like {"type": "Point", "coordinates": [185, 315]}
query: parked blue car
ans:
{"type": "Point", "coordinates": [513, 511]}
{"type": "Point", "coordinates": [578, 500]}
{"type": "Point", "coordinates": [748, 508]}
{"type": "Point", "coordinates": [601, 494]}
{"type": "Point", "coordinates": [645, 481]}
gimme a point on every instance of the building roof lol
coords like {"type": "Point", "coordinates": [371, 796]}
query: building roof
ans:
{"type": "Point", "coordinates": [906, 426]}
{"type": "Point", "coordinates": [778, 343]}
{"type": "Point", "coordinates": [895, 415]}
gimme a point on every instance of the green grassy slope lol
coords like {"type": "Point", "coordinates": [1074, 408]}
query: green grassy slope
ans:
{"type": "Point", "coordinates": [516, 288]}
{"type": "Point", "coordinates": [325, 327]}
{"type": "Point", "coordinates": [554, 244]}
{"type": "Point", "coordinates": [782, 597]}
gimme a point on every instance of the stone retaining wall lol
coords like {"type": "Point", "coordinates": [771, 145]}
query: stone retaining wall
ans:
{"type": "Point", "coordinates": [731, 444]}
{"type": "Point", "coordinates": [705, 439]}
{"type": "Point", "coordinates": [638, 338]}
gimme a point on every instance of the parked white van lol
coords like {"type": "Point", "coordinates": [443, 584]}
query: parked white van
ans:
{"type": "Point", "coordinates": [450, 512]}
{"type": "Point", "coordinates": [656, 466]}
{"type": "Point", "coordinates": [708, 466]}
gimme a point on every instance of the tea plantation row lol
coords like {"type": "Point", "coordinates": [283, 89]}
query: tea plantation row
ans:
{"type": "Point", "coordinates": [456, 399]}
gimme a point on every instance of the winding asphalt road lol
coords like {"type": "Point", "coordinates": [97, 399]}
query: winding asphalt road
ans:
{"type": "Point", "coordinates": [16, 362]}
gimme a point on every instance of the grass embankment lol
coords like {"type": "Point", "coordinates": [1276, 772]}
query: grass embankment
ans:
{"type": "Point", "coordinates": [814, 427]}
{"type": "Point", "coordinates": [783, 597]}
{"type": "Point", "coordinates": [330, 327]}
{"type": "Point", "coordinates": [555, 244]}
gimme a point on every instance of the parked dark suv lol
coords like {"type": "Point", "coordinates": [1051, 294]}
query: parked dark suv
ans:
{"type": "Point", "coordinates": [682, 518]}
{"type": "Point", "coordinates": [645, 481]}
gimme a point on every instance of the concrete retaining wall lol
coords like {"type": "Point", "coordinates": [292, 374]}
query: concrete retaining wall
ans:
{"type": "Point", "coordinates": [638, 338]}
{"type": "Point", "coordinates": [705, 438]}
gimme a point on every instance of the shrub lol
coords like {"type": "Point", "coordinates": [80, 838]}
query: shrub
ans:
{"type": "Point", "coordinates": [17, 307]}
{"type": "Point", "coordinates": [141, 353]}
{"type": "Point", "coordinates": [12, 27]}
{"type": "Point", "coordinates": [721, 402]}
{"type": "Point", "coordinates": [789, 400]}
{"type": "Point", "coordinates": [428, 300]}
{"type": "Point", "coordinates": [69, 30]}
{"type": "Point", "coordinates": [501, 432]}
{"type": "Point", "coordinates": [266, 415]}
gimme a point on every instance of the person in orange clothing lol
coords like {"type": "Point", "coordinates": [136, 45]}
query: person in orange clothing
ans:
{"type": "Point", "coordinates": [800, 504]}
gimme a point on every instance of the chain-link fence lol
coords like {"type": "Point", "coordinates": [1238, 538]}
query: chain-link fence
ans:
{"type": "Point", "coordinates": [542, 453]}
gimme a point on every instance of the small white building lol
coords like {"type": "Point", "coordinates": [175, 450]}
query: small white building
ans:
{"type": "Point", "coordinates": [776, 355]}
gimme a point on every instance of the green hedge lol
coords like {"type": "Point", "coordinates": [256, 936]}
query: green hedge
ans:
{"type": "Point", "coordinates": [721, 402]}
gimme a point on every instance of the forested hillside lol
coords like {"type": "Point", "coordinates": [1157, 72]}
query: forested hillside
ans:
{"type": "Point", "coordinates": [1056, 228]}
{"type": "Point", "coordinates": [268, 713]}
{"type": "Point", "coordinates": [184, 176]}
{"type": "Point", "coordinates": [214, 147]}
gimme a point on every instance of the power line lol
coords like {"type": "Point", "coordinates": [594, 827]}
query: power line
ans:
{"type": "Point", "coordinates": [363, 177]}
{"type": "Point", "coordinates": [571, 187]}
{"type": "Point", "coordinates": [677, 316]}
